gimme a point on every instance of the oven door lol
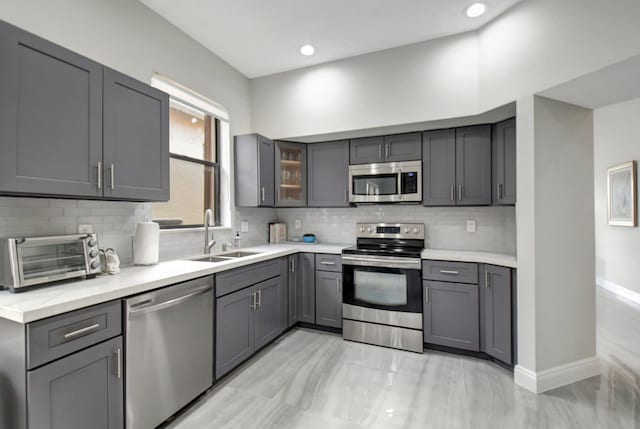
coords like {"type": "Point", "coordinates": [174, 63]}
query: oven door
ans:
{"type": "Point", "coordinates": [382, 288]}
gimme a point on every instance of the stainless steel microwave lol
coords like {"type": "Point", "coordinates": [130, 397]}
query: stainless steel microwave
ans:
{"type": "Point", "coordinates": [32, 261]}
{"type": "Point", "coordinates": [386, 183]}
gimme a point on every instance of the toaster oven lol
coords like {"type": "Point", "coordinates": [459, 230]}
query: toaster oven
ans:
{"type": "Point", "coordinates": [34, 261]}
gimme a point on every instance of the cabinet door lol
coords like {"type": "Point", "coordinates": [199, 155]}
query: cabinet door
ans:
{"type": "Point", "coordinates": [451, 315]}
{"type": "Point", "coordinates": [267, 315]}
{"type": "Point", "coordinates": [439, 168]}
{"type": "Point", "coordinates": [403, 147]}
{"type": "Point", "coordinates": [504, 162]}
{"type": "Point", "coordinates": [266, 186]}
{"type": "Point", "coordinates": [366, 150]}
{"type": "Point", "coordinates": [50, 117]}
{"type": "Point", "coordinates": [293, 290]}
{"type": "Point", "coordinates": [82, 390]}
{"type": "Point", "coordinates": [306, 288]}
{"type": "Point", "coordinates": [136, 139]}
{"type": "Point", "coordinates": [473, 165]}
{"type": "Point", "coordinates": [234, 329]}
{"type": "Point", "coordinates": [495, 285]}
{"type": "Point", "coordinates": [329, 299]}
{"type": "Point", "coordinates": [291, 174]}
{"type": "Point", "coordinates": [329, 174]}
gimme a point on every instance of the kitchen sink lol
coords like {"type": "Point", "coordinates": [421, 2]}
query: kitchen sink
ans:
{"type": "Point", "coordinates": [238, 254]}
{"type": "Point", "coordinates": [212, 259]}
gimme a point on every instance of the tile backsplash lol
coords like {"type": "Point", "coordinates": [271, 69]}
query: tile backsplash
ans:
{"type": "Point", "coordinates": [115, 224]}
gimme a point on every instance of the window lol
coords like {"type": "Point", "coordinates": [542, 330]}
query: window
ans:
{"type": "Point", "coordinates": [195, 138]}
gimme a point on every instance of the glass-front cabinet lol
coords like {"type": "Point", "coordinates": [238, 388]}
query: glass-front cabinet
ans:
{"type": "Point", "coordinates": [291, 174]}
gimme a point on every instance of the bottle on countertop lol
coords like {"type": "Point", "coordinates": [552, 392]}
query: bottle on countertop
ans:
{"type": "Point", "coordinates": [236, 240]}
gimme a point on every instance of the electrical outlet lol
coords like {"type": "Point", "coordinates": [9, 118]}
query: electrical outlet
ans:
{"type": "Point", "coordinates": [244, 226]}
{"type": "Point", "coordinates": [298, 224]}
{"type": "Point", "coordinates": [471, 225]}
{"type": "Point", "coordinates": [85, 229]}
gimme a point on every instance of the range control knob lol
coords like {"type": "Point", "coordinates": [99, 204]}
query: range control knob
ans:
{"type": "Point", "coordinates": [92, 242]}
{"type": "Point", "coordinates": [95, 265]}
{"type": "Point", "coordinates": [362, 229]}
{"type": "Point", "coordinates": [369, 229]}
{"type": "Point", "coordinates": [93, 253]}
{"type": "Point", "coordinates": [406, 230]}
{"type": "Point", "coordinates": [415, 230]}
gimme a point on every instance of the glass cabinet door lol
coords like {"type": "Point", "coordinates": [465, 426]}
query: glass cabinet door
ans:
{"type": "Point", "coordinates": [291, 174]}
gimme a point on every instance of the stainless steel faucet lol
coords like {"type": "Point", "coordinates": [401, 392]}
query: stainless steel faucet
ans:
{"type": "Point", "coordinates": [208, 244]}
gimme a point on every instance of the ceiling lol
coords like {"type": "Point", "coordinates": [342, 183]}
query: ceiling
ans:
{"type": "Point", "coordinates": [262, 37]}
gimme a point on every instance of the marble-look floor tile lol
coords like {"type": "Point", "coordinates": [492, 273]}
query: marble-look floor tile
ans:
{"type": "Point", "coordinates": [310, 380]}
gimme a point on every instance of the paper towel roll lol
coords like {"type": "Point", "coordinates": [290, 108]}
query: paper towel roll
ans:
{"type": "Point", "coordinates": [146, 246]}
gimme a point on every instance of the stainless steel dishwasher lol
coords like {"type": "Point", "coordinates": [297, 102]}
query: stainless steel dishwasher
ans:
{"type": "Point", "coordinates": [169, 350]}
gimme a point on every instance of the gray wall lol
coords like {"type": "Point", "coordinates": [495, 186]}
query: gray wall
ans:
{"type": "Point", "coordinates": [617, 248]}
{"type": "Point", "coordinates": [445, 226]}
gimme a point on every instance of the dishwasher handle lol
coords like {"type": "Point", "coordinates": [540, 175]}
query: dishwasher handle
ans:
{"type": "Point", "coordinates": [169, 303]}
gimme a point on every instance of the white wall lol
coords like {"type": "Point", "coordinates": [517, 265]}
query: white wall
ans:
{"type": "Point", "coordinates": [536, 45]}
{"type": "Point", "coordinates": [555, 216]}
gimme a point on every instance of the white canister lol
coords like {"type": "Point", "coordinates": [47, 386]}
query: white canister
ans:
{"type": "Point", "coordinates": [146, 246]}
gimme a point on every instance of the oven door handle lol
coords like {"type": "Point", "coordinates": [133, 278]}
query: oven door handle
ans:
{"type": "Point", "coordinates": [384, 263]}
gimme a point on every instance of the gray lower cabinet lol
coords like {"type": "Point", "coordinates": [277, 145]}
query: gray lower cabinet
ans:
{"type": "Point", "coordinates": [247, 320]}
{"type": "Point", "coordinates": [292, 285]}
{"type": "Point", "coordinates": [306, 288]}
{"type": "Point", "coordinates": [329, 298]}
{"type": "Point", "coordinates": [83, 390]}
{"type": "Point", "coordinates": [439, 168]}
{"type": "Point", "coordinates": [496, 312]}
{"type": "Point", "coordinates": [254, 171]}
{"type": "Point", "coordinates": [473, 165]}
{"type": "Point", "coordinates": [50, 117]}
{"type": "Point", "coordinates": [136, 140]}
{"type": "Point", "coordinates": [504, 162]}
{"type": "Point", "coordinates": [366, 150]}
{"type": "Point", "coordinates": [451, 315]}
{"type": "Point", "coordinates": [403, 147]}
{"type": "Point", "coordinates": [328, 167]}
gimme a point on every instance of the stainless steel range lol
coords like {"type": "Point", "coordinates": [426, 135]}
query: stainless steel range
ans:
{"type": "Point", "coordinates": [382, 295]}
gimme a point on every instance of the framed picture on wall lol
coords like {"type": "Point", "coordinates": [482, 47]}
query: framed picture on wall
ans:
{"type": "Point", "coordinates": [622, 194]}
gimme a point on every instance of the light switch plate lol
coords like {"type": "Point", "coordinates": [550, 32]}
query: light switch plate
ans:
{"type": "Point", "coordinates": [471, 225]}
{"type": "Point", "coordinates": [298, 224]}
{"type": "Point", "coordinates": [85, 229]}
{"type": "Point", "coordinates": [244, 226]}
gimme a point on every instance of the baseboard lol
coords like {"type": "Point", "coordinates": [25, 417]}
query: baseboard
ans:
{"type": "Point", "coordinates": [539, 382]}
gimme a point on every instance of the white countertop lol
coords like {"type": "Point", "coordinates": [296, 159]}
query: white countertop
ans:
{"type": "Point", "coordinates": [501, 259]}
{"type": "Point", "coordinates": [49, 301]}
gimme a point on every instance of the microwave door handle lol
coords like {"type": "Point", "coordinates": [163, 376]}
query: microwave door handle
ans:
{"type": "Point", "coordinates": [399, 173]}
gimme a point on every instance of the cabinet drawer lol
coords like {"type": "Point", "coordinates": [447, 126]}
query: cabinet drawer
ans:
{"type": "Point", "coordinates": [327, 262]}
{"type": "Point", "coordinates": [459, 272]}
{"type": "Point", "coordinates": [231, 281]}
{"type": "Point", "coordinates": [59, 336]}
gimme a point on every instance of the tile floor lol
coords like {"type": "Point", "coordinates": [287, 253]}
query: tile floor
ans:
{"type": "Point", "coordinates": [310, 380]}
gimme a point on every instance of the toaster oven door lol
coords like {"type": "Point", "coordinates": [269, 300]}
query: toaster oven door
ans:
{"type": "Point", "coordinates": [48, 259]}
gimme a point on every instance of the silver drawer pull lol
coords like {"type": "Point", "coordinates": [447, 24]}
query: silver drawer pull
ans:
{"type": "Point", "coordinates": [327, 263]}
{"type": "Point", "coordinates": [451, 272]}
{"type": "Point", "coordinates": [118, 354]}
{"type": "Point", "coordinates": [81, 331]}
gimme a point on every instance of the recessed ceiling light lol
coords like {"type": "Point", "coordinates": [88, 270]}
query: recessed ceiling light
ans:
{"type": "Point", "coordinates": [194, 120]}
{"type": "Point", "coordinates": [307, 50]}
{"type": "Point", "coordinates": [476, 9]}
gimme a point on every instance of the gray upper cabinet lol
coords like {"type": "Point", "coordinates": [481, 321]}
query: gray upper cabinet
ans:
{"type": "Point", "coordinates": [254, 171]}
{"type": "Point", "coordinates": [50, 117]}
{"type": "Point", "coordinates": [504, 162]}
{"type": "Point", "coordinates": [457, 166]}
{"type": "Point", "coordinates": [366, 150]}
{"type": "Point", "coordinates": [329, 298]}
{"type": "Point", "coordinates": [328, 167]}
{"type": "Point", "coordinates": [473, 165]}
{"type": "Point", "coordinates": [306, 288]}
{"type": "Point", "coordinates": [83, 390]}
{"type": "Point", "coordinates": [403, 147]}
{"type": "Point", "coordinates": [496, 312]}
{"type": "Point", "coordinates": [451, 315]}
{"type": "Point", "coordinates": [290, 174]}
{"type": "Point", "coordinates": [439, 168]}
{"type": "Point", "coordinates": [136, 139]}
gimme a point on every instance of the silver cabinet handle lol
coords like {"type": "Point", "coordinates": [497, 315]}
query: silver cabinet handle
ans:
{"type": "Point", "coordinates": [259, 303]}
{"type": "Point", "coordinates": [452, 193]}
{"type": "Point", "coordinates": [386, 150]}
{"type": "Point", "coordinates": [292, 265]}
{"type": "Point", "coordinates": [253, 302]}
{"type": "Point", "coordinates": [327, 263]}
{"type": "Point", "coordinates": [112, 169]}
{"type": "Point", "coordinates": [380, 150]}
{"type": "Point", "coordinates": [499, 191]}
{"type": "Point", "coordinates": [346, 195]}
{"type": "Point", "coordinates": [338, 284]}
{"type": "Point", "coordinates": [278, 194]}
{"type": "Point", "coordinates": [99, 175]}
{"type": "Point", "coordinates": [81, 331]}
{"type": "Point", "coordinates": [486, 279]}
{"type": "Point", "coordinates": [262, 194]}
{"type": "Point", "coordinates": [459, 192]}
{"type": "Point", "coordinates": [118, 354]}
{"type": "Point", "coordinates": [426, 294]}
{"type": "Point", "coordinates": [450, 272]}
